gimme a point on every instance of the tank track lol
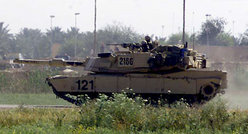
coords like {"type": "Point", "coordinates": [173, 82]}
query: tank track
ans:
{"type": "Point", "coordinates": [170, 99]}
{"type": "Point", "coordinates": [76, 99]}
{"type": "Point", "coordinates": [65, 96]}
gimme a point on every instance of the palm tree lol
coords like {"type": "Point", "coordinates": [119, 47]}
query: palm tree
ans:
{"type": "Point", "coordinates": [6, 40]}
{"type": "Point", "coordinates": [244, 39]}
{"type": "Point", "coordinates": [56, 35]}
{"type": "Point", "coordinates": [32, 43]}
{"type": "Point", "coordinates": [74, 44]}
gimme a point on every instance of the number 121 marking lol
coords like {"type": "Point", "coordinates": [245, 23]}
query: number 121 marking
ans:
{"type": "Point", "coordinates": [84, 85]}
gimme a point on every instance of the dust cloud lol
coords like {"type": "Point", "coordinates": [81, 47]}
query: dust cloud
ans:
{"type": "Point", "coordinates": [236, 94]}
{"type": "Point", "coordinates": [233, 60]}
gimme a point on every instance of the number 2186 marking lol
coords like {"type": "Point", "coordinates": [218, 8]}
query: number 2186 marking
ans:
{"type": "Point", "coordinates": [83, 84]}
{"type": "Point", "coordinates": [125, 61]}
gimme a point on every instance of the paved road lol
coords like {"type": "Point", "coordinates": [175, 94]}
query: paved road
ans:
{"type": "Point", "coordinates": [36, 106]}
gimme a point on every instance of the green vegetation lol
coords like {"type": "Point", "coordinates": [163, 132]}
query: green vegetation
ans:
{"type": "Point", "coordinates": [25, 82]}
{"type": "Point", "coordinates": [177, 38]}
{"type": "Point", "coordinates": [32, 99]}
{"type": "Point", "coordinates": [23, 120]}
{"type": "Point", "coordinates": [28, 88]}
{"type": "Point", "coordinates": [120, 114]}
{"type": "Point", "coordinates": [32, 43]}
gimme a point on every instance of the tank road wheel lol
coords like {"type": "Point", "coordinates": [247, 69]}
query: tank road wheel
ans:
{"type": "Point", "coordinates": [207, 92]}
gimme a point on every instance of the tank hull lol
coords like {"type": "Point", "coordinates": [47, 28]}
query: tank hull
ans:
{"type": "Point", "coordinates": [196, 85]}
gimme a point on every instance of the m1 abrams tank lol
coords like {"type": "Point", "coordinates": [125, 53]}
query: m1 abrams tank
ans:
{"type": "Point", "coordinates": [167, 72]}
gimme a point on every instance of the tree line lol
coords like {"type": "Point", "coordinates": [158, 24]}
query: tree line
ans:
{"type": "Point", "coordinates": [212, 33]}
{"type": "Point", "coordinates": [32, 43]}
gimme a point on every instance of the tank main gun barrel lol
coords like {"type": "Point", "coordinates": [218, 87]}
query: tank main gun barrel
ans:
{"type": "Point", "coordinates": [52, 62]}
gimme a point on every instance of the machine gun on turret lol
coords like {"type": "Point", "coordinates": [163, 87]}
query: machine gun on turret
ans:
{"type": "Point", "coordinates": [131, 46]}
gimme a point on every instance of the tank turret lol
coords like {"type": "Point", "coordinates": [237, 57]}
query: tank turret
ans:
{"type": "Point", "coordinates": [160, 59]}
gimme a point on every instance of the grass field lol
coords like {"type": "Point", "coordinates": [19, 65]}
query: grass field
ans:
{"type": "Point", "coordinates": [31, 99]}
{"type": "Point", "coordinates": [124, 115]}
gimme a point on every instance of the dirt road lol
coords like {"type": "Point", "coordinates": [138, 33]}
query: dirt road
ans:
{"type": "Point", "coordinates": [35, 106]}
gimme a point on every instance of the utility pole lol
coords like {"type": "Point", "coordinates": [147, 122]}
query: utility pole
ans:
{"type": "Point", "coordinates": [207, 29]}
{"type": "Point", "coordinates": [173, 22]}
{"type": "Point", "coordinates": [51, 16]}
{"type": "Point", "coordinates": [193, 32]}
{"type": "Point", "coordinates": [162, 31]}
{"type": "Point", "coordinates": [76, 19]}
{"type": "Point", "coordinates": [233, 22]}
{"type": "Point", "coordinates": [75, 46]}
{"type": "Point", "coordinates": [183, 40]}
{"type": "Point", "coordinates": [95, 47]}
{"type": "Point", "coordinates": [234, 32]}
{"type": "Point", "coordinates": [207, 32]}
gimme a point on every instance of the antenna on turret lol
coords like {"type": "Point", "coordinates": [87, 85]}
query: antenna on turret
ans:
{"type": "Point", "coordinates": [95, 45]}
{"type": "Point", "coordinates": [183, 40]}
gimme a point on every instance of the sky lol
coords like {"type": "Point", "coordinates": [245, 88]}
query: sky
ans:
{"type": "Point", "coordinates": [158, 17]}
